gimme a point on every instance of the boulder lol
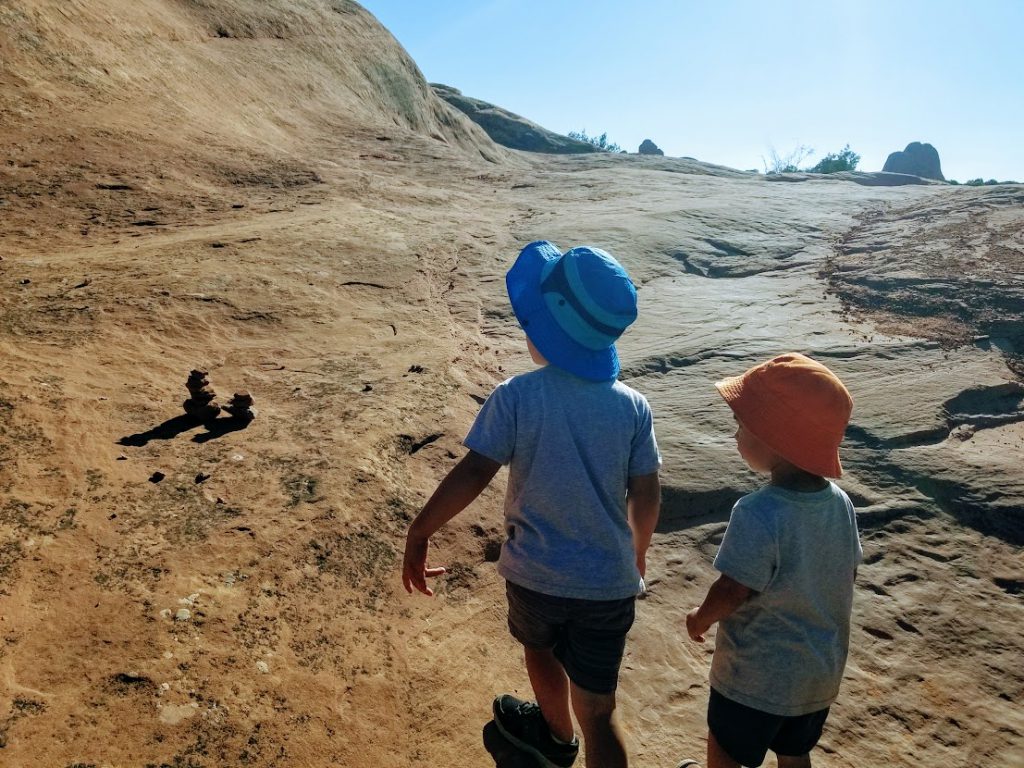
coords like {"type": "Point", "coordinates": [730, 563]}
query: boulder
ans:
{"type": "Point", "coordinates": [648, 147]}
{"type": "Point", "coordinates": [917, 160]}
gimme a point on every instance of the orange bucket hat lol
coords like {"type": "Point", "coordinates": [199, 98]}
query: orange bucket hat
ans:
{"type": "Point", "coordinates": [796, 406]}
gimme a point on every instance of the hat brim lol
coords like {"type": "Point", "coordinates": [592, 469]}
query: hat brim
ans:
{"type": "Point", "coordinates": [822, 460]}
{"type": "Point", "coordinates": [523, 285]}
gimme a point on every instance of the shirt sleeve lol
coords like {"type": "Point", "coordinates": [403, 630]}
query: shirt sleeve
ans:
{"type": "Point", "coordinates": [858, 550]}
{"type": "Point", "coordinates": [644, 457]}
{"type": "Point", "coordinates": [748, 551]}
{"type": "Point", "coordinates": [493, 434]}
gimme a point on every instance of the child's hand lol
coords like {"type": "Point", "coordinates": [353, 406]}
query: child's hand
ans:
{"type": "Point", "coordinates": [414, 566]}
{"type": "Point", "coordinates": [694, 628]}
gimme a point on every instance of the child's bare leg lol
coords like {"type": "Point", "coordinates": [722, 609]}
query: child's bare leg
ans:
{"type": "Point", "coordinates": [800, 761]}
{"type": "Point", "coordinates": [551, 687]}
{"type": "Point", "coordinates": [718, 757]}
{"type": "Point", "coordinates": [602, 738]}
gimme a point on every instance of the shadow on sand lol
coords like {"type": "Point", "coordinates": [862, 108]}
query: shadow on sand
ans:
{"type": "Point", "coordinates": [175, 426]}
{"type": "Point", "coordinates": [504, 753]}
{"type": "Point", "coordinates": [219, 428]}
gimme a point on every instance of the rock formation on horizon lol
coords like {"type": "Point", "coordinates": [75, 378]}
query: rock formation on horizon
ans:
{"type": "Point", "coordinates": [917, 160]}
{"type": "Point", "coordinates": [648, 147]}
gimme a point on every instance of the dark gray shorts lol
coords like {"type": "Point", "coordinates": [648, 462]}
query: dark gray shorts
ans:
{"type": "Point", "coordinates": [587, 636]}
{"type": "Point", "coordinates": [747, 734]}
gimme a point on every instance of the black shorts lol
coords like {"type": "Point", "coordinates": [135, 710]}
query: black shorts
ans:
{"type": "Point", "coordinates": [747, 734]}
{"type": "Point", "coordinates": [588, 636]}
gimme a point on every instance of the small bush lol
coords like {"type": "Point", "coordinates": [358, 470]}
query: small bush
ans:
{"type": "Point", "coordinates": [601, 142]}
{"type": "Point", "coordinates": [787, 164]}
{"type": "Point", "coordinates": [844, 160]}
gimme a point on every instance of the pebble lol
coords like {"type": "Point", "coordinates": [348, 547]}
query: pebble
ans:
{"type": "Point", "coordinates": [183, 614]}
{"type": "Point", "coordinates": [165, 613]}
{"type": "Point", "coordinates": [263, 667]}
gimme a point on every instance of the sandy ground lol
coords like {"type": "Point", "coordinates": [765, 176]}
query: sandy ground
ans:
{"type": "Point", "coordinates": [340, 256]}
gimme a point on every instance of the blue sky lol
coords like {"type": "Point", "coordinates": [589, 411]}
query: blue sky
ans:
{"type": "Point", "coordinates": [728, 81]}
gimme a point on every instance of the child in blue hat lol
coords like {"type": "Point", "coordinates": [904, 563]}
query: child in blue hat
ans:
{"type": "Point", "coordinates": [581, 506]}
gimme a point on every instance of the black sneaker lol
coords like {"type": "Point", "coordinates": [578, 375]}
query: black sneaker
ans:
{"type": "Point", "coordinates": [522, 723]}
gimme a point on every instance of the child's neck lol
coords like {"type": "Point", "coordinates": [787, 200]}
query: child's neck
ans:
{"type": "Point", "coordinates": [785, 475]}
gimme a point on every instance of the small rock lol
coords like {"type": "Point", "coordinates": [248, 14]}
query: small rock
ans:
{"type": "Point", "coordinates": [183, 614]}
{"type": "Point", "coordinates": [122, 457]}
{"type": "Point", "coordinates": [262, 667]}
{"type": "Point", "coordinates": [202, 477]}
{"type": "Point", "coordinates": [963, 432]}
{"type": "Point", "coordinates": [165, 613]}
{"type": "Point", "coordinates": [240, 407]}
{"type": "Point", "coordinates": [368, 388]}
{"type": "Point", "coordinates": [25, 281]}
{"type": "Point", "coordinates": [156, 477]}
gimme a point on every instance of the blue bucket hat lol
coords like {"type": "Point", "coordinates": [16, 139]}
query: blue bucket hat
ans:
{"type": "Point", "coordinates": [572, 306]}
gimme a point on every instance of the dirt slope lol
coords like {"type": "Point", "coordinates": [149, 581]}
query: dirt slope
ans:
{"type": "Point", "coordinates": [270, 191]}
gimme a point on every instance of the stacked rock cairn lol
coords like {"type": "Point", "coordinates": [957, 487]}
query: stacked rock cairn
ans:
{"type": "Point", "coordinates": [201, 404]}
{"type": "Point", "coordinates": [240, 407]}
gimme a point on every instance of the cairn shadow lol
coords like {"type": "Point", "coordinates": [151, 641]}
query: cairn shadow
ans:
{"type": "Point", "coordinates": [175, 426]}
{"type": "Point", "coordinates": [219, 428]}
{"type": "Point", "coordinates": [169, 429]}
{"type": "Point", "coordinates": [504, 752]}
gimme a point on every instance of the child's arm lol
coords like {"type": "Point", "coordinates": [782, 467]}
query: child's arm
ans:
{"type": "Point", "coordinates": [643, 504]}
{"type": "Point", "coordinates": [455, 492]}
{"type": "Point", "coordinates": [724, 597]}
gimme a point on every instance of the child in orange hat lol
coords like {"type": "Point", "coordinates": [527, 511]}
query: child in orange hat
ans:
{"type": "Point", "coordinates": [787, 564]}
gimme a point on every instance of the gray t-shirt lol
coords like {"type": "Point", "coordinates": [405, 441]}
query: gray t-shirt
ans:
{"type": "Point", "coordinates": [784, 650]}
{"type": "Point", "coordinates": [570, 445]}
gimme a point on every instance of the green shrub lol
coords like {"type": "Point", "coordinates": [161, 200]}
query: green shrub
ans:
{"type": "Point", "coordinates": [844, 160]}
{"type": "Point", "coordinates": [601, 142]}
